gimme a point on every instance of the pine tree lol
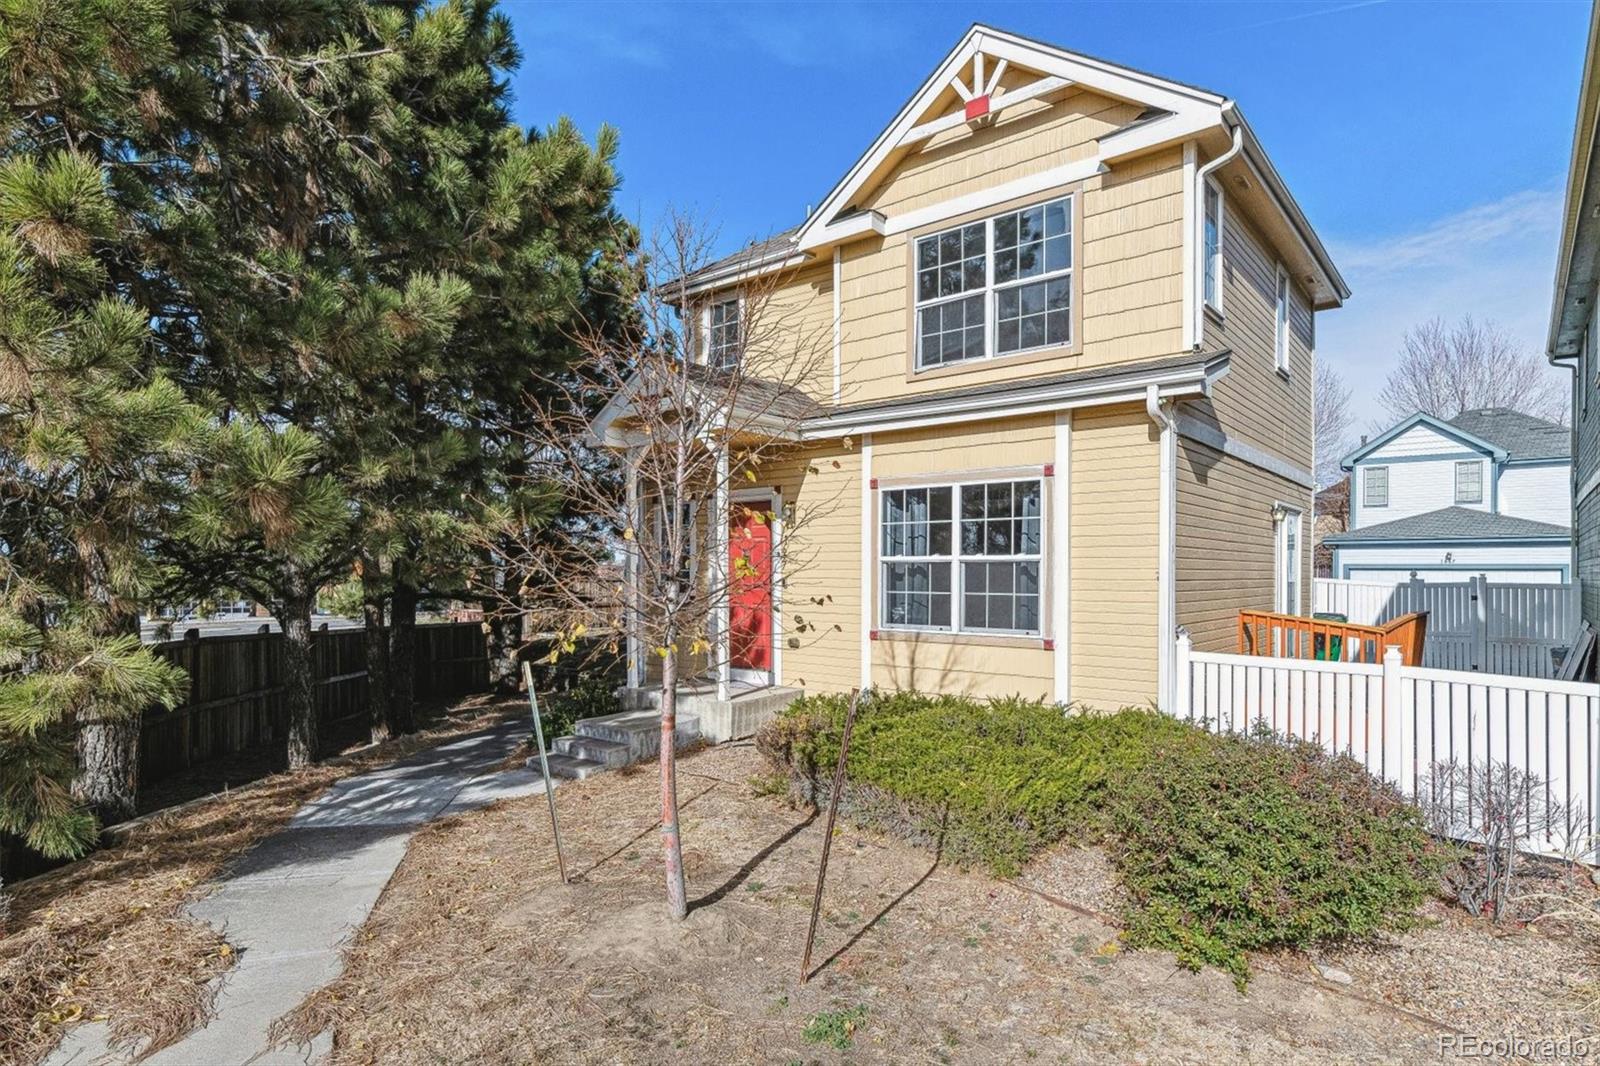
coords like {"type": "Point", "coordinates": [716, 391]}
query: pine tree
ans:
{"type": "Point", "coordinates": [91, 438]}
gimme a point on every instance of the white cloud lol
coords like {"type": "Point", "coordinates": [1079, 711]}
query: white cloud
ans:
{"type": "Point", "coordinates": [1495, 261]}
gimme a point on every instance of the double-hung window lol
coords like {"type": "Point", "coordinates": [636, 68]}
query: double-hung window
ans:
{"type": "Point", "coordinates": [1375, 487]}
{"type": "Point", "coordinates": [722, 341]}
{"type": "Point", "coordinates": [1280, 325]}
{"type": "Point", "coordinates": [964, 557]}
{"type": "Point", "coordinates": [1469, 481]}
{"type": "Point", "coordinates": [1001, 286]}
{"type": "Point", "coordinates": [1288, 553]}
{"type": "Point", "coordinates": [1213, 246]}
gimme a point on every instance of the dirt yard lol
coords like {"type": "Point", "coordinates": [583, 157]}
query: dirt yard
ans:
{"type": "Point", "coordinates": [477, 953]}
{"type": "Point", "coordinates": [106, 937]}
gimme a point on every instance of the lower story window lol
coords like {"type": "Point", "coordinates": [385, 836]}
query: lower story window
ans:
{"type": "Point", "coordinates": [1288, 592]}
{"type": "Point", "coordinates": [964, 557]}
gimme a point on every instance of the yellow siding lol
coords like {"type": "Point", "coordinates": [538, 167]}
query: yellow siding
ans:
{"type": "Point", "coordinates": [939, 663]}
{"type": "Point", "coordinates": [1115, 545]}
{"type": "Point", "coordinates": [1129, 287]}
{"type": "Point", "coordinates": [1226, 545]}
{"type": "Point", "coordinates": [821, 546]}
{"type": "Point", "coordinates": [1254, 402]}
{"type": "Point", "coordinates": [788, 329]}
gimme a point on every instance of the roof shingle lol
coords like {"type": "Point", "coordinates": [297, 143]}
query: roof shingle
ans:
{"type": "Point", "coordinates": [1452, 523]}
{"type": "Point", "coordinates": [1522, 436]}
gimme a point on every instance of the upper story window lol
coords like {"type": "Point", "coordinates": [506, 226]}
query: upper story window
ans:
{"type": "Point", "coordinates": [1280, 326]}
{"type": "Point", "coordinates": [1002, 286]}
{"type": "Point", "coordinates": [1213, 246]}
{"type": "Point", "coordinates": [722, 337]}
{"type": "Point", "coordinates": [963, 557]}
{"type": "Point", "coordinates": [1469, 481]}
{"type": "Point", "coordinates": [1375, 487]}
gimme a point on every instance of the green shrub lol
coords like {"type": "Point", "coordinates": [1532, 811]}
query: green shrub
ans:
{"type": "Point", "coordinates": [590, 697]}
{"type": "Point", "coordinates": [1225, 845]}
{"type": "Point", "coordinates": [1228, 845]}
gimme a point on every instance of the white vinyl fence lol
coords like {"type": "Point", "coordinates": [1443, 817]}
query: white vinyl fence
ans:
{"type": "Point", "coordinates": [1400, 722]}
{"type": "Point", "coordinates": [1477, 624]}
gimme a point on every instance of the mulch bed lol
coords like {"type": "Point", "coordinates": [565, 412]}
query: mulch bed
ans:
{"type": "Point", "coordinates": [476, 953]}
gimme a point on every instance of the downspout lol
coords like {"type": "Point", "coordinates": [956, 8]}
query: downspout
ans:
{"type": "Point", "coordinates": [1166, 603]}
{"type": "Point", "coordinates": [1199, 233]}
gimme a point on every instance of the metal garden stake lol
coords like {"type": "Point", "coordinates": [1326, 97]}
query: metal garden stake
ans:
{"type": "Point", "coordinates": [827, 834]}
{"type": "Point", "coordinates": [544, 768]}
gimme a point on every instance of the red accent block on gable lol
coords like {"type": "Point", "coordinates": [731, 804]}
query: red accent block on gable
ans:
{"type": "Point", "coordinates": [977, 107]}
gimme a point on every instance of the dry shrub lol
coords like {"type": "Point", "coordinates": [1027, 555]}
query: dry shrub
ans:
{"type": "Point", "coordinates": [106, 938]}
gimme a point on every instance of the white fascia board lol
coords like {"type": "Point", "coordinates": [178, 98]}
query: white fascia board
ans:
{"type": "Point", "coordinates": [1176, 384]}
{"type": "Point", "coordinates": [745, 270]}
{"type": "Point", "coordinates": [1094, 74]}
{"type": "Point", "coordinates": [1173, 129]}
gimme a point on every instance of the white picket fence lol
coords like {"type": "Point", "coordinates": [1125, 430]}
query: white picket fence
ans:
{"type": "Point", "coordinates": [1477, 624]}
{"type": "Point", "coordinates": [1402, 721]}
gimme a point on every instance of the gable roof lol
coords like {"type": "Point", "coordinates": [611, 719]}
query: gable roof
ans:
{"type": "Point", "coordinates": [1522, 436]}
{"type": "Point", "coordinates": [1451, 524]}
{"type": "Point", "coordinates": [1439, 425]}
{"type": "Point", "coordinates": [1174, 112]}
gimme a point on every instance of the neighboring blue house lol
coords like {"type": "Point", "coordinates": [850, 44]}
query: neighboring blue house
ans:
{"type": "Point", "coordinates": [1486, 492]}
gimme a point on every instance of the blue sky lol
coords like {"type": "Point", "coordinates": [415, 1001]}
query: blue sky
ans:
{"type": "Point", "coordinates": [1427, 143]}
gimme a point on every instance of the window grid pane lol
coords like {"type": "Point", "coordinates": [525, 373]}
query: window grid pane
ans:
{"type": "Point", "coordinates": [723, 345]}
{"type": "Point", "coordinates": [1375, 487]}
{"type": "Point", "coordinates": [1213, 247]}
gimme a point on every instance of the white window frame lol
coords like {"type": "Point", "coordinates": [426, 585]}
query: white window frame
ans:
{"type": "Point", "coordinates": [991, 289]}
{"type": "Point", "coordinates": [1281, 300]}
{"type": "Point", "coordinates": [957, 559]}
{"type": "Point", "coordinates": [1211, 265]}
{"type": "Point", "coordinates": [1366, 482]}
{"type": "Point", "coordinates": [737, 347]}
{"type": "Point", "coordinates": [1289, 558]}
{"type": "Point", "coordinates": [1476, 466]}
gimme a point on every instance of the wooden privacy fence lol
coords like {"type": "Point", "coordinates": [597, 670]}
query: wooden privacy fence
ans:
{"type": "Point", "coordinates": [236, 689]}
{"type": "Point", "coordinates": [1400, 722]}
{"type": "Point", "coordinates": [1490, 626]}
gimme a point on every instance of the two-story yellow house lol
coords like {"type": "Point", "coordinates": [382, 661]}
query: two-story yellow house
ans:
{"type": "Point", "coordinates": [1071, 308]}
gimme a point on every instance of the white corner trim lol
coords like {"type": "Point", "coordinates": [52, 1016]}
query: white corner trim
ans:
{"type": "Point", "coordinates": [1212, 437]}
{"type": "Point", "coordinates": [1191, 248]}
{"type": "Point", "coordinates": [838, 337]}
{"type": "Point", "coordinates": [1166, 541]}
{"type": "Point", "coordinates": [1061, 559]}
{"type": "Point", "coordinates": [868, 539]}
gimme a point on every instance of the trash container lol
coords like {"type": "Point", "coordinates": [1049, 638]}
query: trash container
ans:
{"type": "Point", "coordinates": [1329, 647]}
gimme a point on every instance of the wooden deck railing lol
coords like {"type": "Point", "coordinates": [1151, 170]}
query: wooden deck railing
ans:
{"type": "Point", "coordinates": [1292, 636]}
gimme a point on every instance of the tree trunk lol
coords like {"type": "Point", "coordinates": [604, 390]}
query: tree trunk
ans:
{"type": "Point", "coordinates": [402, 655]}
{"type": "Point", "coordinates": [107, 780]}
{"type": "Point", "coordinates": [671, 845]}
{"type": "Point", "coordinates": [505, 633]}
{"type": "Point", "coordinates": [375, 639]}
{"type": "Point", "coordinates": [299, 681]}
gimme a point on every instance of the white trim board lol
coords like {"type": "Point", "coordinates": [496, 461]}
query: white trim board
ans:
{"type": "Point", "coordinates": [1212, 437]}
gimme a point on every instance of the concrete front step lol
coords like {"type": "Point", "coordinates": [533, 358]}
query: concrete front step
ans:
{"type": "Point", "coordinates": [637, 731]}
{"type": "Point", "coordinates": [608, 753]}
{"type": "Point", "coordinates": [719, 720]}
{"type": "Point", "coordinates": [567, 765]}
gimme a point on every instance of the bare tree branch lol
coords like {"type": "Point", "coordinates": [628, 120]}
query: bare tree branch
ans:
{"type": "Point", "coordinates": [1444, 370]}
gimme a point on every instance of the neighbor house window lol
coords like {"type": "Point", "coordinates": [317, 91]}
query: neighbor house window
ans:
{"type": "Point", "coordinates": [1469, 482]}
{"type": "Point", "coordinates": [722, 349]}
{"type": "Point", "coordinates": [1213, 247]}
{"type": "Point", "coordinates": [964, 557]}
{"type": "Point", "coordinates": [1289, 563]}
{"type": "Point", "coordinates": [997, 287]}
{"type": "Point", "coordinates": [1280, 329]}
{"type": "Point", "coordinates": [1375, 487]}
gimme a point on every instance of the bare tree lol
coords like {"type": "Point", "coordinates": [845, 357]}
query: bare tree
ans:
{"type": "Point", "coordinates": [1332, 430]}
{"type": "Point", "coordinates": [691, 414]}
{"type": "Point", "coordinates": [1444, 370]}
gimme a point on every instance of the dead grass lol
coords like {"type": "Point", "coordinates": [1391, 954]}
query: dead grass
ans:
{"type": "Point", "coordinates": [106, 938]}
{"type": "Point", "coordinates": [476, 953]}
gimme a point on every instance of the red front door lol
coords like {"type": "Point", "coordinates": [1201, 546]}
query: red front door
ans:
{"type": "Point", "coordinates": [750, 580]}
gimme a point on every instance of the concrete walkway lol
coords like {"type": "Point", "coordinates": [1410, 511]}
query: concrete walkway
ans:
{"type": "Point", "coordinates": [289, 904]}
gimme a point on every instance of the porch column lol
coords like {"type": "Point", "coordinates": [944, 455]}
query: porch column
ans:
{"type": "Point", "coordinates": [633, 615]}
{"type": "Point", "coordinates": [721, 648]}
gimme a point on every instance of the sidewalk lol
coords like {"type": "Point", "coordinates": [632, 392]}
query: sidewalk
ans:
{"type": "Point", "coordinates": [289, 904]}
